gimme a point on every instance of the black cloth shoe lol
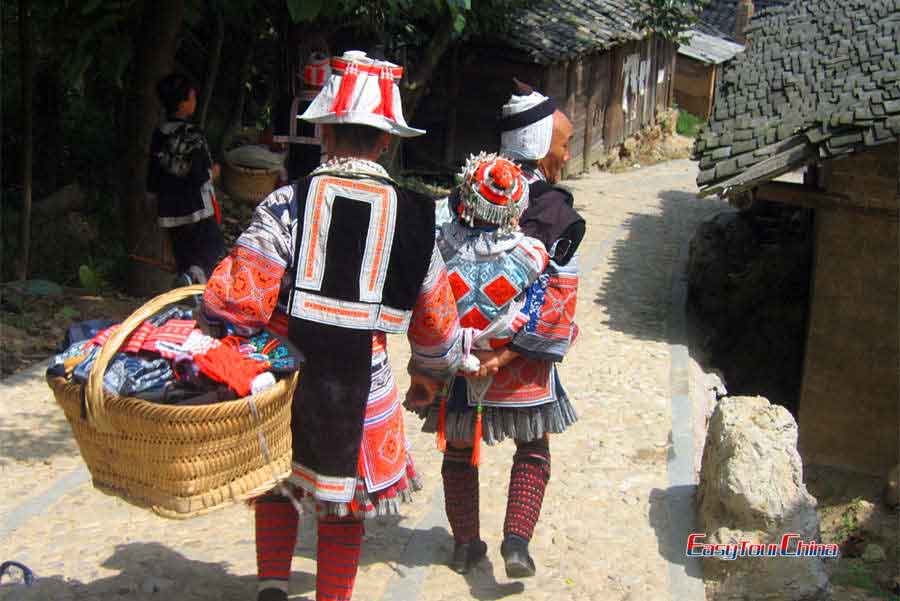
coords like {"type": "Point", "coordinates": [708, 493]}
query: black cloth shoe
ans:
{"type": "Point", "coordinates": [466, 555]}
{"type": "Point", "coordinates": [271, 594]}
{"type": "Point", "coordinates": [515, 555]}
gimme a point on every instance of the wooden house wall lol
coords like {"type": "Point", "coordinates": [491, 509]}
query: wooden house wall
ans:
{"type": "Point", "coordinates": [461, 108]}
{"type": "Point", "coordinates": [695, 86]}
{"type": "Point", "coordinates": [607, 95]}
{"type": "Point", "coordinates": [617, 93]}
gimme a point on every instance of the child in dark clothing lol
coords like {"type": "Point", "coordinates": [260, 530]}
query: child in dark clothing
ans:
{"type": "Point", "coordinates": [181, 176]}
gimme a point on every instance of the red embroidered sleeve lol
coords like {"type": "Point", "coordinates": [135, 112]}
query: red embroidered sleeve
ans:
{"type": "Point", "coordinates": [243, 289]}
{"type": "Point", "coordinates": [434, 334]}
{"type": "Point", "coordinates": [551, 328]}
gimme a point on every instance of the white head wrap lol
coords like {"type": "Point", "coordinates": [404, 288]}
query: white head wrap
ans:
{"type": "Point", "coordinates": [531, 142]}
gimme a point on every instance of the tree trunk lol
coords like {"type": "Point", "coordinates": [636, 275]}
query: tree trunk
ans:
{"type": "Point", "coordinates": [453, 114]}
{"type": "Point", "coordinates": [214, 60]}
{"type": "Point", "coordinates": [237, 112]}
{"type": "Point", "coordinates": [413, 88]}
{"type": "Point", "coordinates": [48, 103]}
{"type": "Point", "coordinates": [156, 42]}
{"type": "Point", "coordinates": [25, 44]}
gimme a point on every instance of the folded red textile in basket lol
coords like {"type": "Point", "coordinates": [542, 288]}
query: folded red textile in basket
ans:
{"type": "Point", "coordinates": [226, 364]}
{"type": "Point", "coordinates": [145, 337]}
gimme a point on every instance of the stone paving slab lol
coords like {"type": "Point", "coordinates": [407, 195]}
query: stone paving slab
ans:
{"type": "Point", "coordinates": [604, 529]}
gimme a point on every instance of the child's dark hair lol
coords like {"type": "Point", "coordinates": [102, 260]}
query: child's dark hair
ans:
{"type": "Point", "coordinates": [173, 89]}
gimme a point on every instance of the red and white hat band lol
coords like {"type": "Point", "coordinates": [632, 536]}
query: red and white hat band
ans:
{"type": "Point", "coordinates": [361, 91]}
{"type": "Point", "coordinates": [317, 70]}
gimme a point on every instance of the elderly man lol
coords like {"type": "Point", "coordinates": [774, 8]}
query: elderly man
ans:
{"type": "Point", "coordinates": [525, 400]}
{"type": "Point", "coordinates": [334, 262]}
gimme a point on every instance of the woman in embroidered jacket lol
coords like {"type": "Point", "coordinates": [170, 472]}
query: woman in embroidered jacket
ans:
{"type": "Point", "coordinates": [525, 399]}
{"type": "Point", "coordinates": [334, 262]}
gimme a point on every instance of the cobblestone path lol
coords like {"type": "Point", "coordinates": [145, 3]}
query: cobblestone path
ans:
{"type": "Point", "coordinates": [616, 505]}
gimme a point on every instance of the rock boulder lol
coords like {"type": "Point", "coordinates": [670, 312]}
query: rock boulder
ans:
{"type": "Point", "coordinates": [751, 488]}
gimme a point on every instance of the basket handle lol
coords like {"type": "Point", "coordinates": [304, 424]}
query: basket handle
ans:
{"type": "Point", "coordinates": [95, 396]}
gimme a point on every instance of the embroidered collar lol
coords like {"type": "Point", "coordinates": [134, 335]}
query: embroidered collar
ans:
{"type": "Point", "coordinates": [474, 244]}
{"type": "Point", "coordinates": [530, 170]}
{"type": "Point", "coordinates": [533, 174]}
{"type": "Point", "coordinates": [353, 167]}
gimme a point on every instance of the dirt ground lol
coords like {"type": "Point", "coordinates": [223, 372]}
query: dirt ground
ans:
{"type": "Point", "coordinates": [852, 514]}
{"type": "Point", "coordinates": [33, 326]}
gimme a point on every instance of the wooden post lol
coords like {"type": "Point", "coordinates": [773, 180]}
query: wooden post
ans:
{"type": "Point", "coordinates": [27, 70]}
{"type": "Point", "coordinates": [571, 85]}
{"type": "Point", "coordinates": [714, 72]}
{"type": "Point", "coordinates": [589, 104]}
{"type": "Point", "coordinates": [652, 77]}
{"type": "Point", "coordinates": [673, 58]}
{"type": "Point", "coordinates": [215, 59]}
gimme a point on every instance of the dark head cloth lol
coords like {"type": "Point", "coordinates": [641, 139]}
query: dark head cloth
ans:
{"type": "Point", "coordinates": [529, 116]}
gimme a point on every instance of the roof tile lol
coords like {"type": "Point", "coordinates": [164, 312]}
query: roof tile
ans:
{"type": "Point", "coordinates": [828, 69]}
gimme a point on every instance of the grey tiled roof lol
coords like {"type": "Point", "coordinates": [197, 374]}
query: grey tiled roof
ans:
{"type": "Point", "coordinates": [718, 18]}
{"type": "Point", "coordinates": [550, 31]}
{"type": "Point", "coordinates": [818, 79]}
{"type": "Point", "coordinates": [708, 48]}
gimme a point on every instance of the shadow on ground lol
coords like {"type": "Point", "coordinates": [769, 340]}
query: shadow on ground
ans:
{"type": "Point", "coordinates": [432, 548]}
{"type": "Point", "coordinates": [50, 435]}
{"type": "Point", "coordinates": [148, 571]}
{"type": "Point", "coordinates": [152, 571]}
{"type": "Point", "coordinates": [636, 292]}
{"type": "Point", "coordinates": [673, 519]}
{"type": "Point", "coordinates": [20, 444]}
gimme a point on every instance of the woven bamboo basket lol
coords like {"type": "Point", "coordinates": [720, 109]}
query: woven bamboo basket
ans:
{"type": "Point", "coordinates": [249, 185]}
{"type": "Point", "coordinates": [177, 461]}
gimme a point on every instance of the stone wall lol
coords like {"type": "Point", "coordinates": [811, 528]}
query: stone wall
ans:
{"type": "Point", "coordinates": [848, 405]}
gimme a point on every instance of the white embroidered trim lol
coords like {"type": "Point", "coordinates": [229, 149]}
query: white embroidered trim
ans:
{"type": "Point", "coordinates": [382, 201]}
{"type": "Point", "coordinates": [474, 245]}
{"type": "Point", "coordinates": [326, 488]}
{"type": "Point", "coordinates": [352, 167]}
{"type": "Point", "coordinates": [206, 193]}
{"type": "Point", "coordinates": [348, 314]}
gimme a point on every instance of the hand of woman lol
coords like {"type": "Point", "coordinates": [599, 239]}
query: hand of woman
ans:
{"type": "Point", "coordinates": [492, 361]}
{"type": "Point", "coordinates": [422, 391]}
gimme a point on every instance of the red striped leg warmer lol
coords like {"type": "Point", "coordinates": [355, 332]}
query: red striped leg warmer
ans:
{"type": "Point", "coordinates": [461, 494]}
{"type": "Point", "coordinates": [527, 482]}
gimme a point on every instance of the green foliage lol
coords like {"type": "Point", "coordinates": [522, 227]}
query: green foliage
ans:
{"type": "Point", "coordinates": [20, 321]}
{"type": "Point", "coordinates": [304, 10]}
{"type": "Point", "coordinates": [688, 124]}
{"type": "Point", "coordinates": [849, 521]}
{"type": "Point", "coordinates": [857, 574]}
{"type": "Point", "coordinates": [668, 18]}
{"type": "Point", "coordinates": [67, 313]}
{"type": "Point", "coordinates": [85, 54]}
{"type": "Point", "coordinates": [89, 279]}
{"type": "Point", "coordinates": [409, 22]}
{"type": "Point", "coordinates": [91, 154]}
{"type": "Point", "coordinates": [93, 39]}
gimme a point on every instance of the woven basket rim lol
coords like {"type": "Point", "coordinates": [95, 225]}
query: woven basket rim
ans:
{"type": "Point", "coordinates": [153, 454]}
{"type": "Point", "coordinates": [127, 406]}
{"type": "Point", "coordinates": [251, 171]}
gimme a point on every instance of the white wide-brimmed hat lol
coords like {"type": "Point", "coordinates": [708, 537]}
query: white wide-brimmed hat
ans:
{"type": "Point", "coordinates": [362, 91]}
